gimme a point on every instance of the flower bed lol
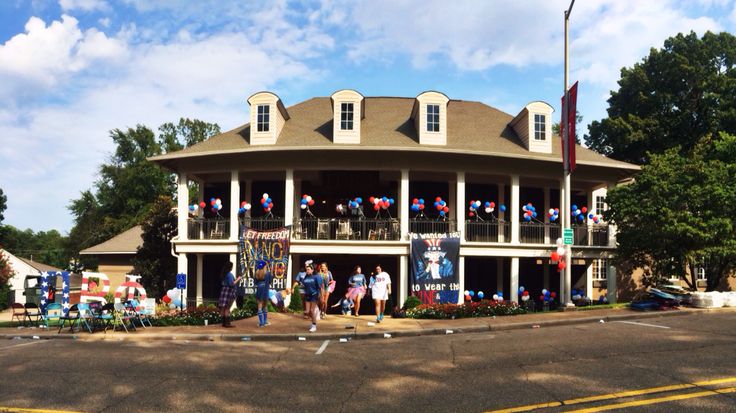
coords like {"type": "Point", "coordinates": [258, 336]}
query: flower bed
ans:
{"type": "Point", "coordinates": [483, 308]}
{"type": "Point", "coordinates": [196, 316]}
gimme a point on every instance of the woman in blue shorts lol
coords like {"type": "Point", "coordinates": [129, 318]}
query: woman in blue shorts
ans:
{"type": "Point", "coordinates": [313, 291]}
{"type": "Point", "coordinates": [263, 284]}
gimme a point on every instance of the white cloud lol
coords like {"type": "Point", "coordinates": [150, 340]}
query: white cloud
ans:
{"type": "Point", "coordinates": [84, 5]}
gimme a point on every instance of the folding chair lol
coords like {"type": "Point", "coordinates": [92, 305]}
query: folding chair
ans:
{"type": "Point", "coordinates": [85, 317]}
{"type": "Point", "coordinates": [19, 313]}
{"type": "Point", "coordinates": [122, 317]}
{"type": "Point", "coordinates": [106, 316]}
{"type": "Point", "coordinates": [53, 312]}
{"type": "Point", "coordinates": [137, 313]}
{"type": "Point", "coordinates": [343, 230]}
{"type": "Point", "coordinates": [71, 316]}
{"type": "Point", "coordinates": [218, 230]}
{"type": "Point", "coordinates": [32, 311]}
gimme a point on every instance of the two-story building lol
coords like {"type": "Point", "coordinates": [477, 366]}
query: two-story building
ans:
{"type": "Point", "coordinates": [345, 146]}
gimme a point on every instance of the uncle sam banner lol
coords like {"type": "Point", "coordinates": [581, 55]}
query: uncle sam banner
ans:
{"type": "Point", "coordinates": [48, 289]}
{"type": "Point", "coordinates": [434, 259]}
{"type": "Point", "coordinates": [269, 246]}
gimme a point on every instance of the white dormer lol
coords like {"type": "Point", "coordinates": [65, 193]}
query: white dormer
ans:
{"type": "Point", "coordinates": [430, 118]}
{"type": "Point", "coordinates": [534, 126]}
{"type": "Point", "coordinates": [267, 118]}
{"type": "Point", "coordinates": [348, 109]}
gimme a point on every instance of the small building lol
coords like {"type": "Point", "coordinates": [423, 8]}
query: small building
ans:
{"type": "Point", "coordinates": [115, 256]}
{"type": "Point", "coordinates": [23, 268]}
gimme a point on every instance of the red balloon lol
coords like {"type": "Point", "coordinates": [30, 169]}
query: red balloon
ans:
{"type": "Point", "coordinates": [541, 297]}
{"type": "Point", "coordinates": [166, 299]}
{"type": "Point", "coordinates": [446, 209]}
{"type": "Point", "coordinates": [438, 199]}
{"type": "Point", "coordinates": [371, 199]}
{"type": "Point", "coordinates": [553, 294]}
{"type": "Point", "coordinates": [561, 265]}
{"type": "Point", "coordinates": [414, 201]}
{"type": "Point", "coordinates": [212, 203]}
{"type": "Point", "coordinates": [525, 293]}
{"type": "Point", "coordinates": [376, 207]}
{"type": "Point", "coordinates": [311, 202]}
{"type": "Point", "coordinates": [472, 203]}
{"type": "Point", "coordinates": [467, 297]}
{"type": "Point", "coordinates": [202, 205]}
{"type": "Point", "coordinates": [470, 214]}
{"type": "Point", "coordinates": [421, 207]}
{"type": "Point", "coordinates": [493, 204]}
{"type": "Point", "coordinates": [584, 209]}
{"type": "Point", "coordinates": [554, 256]}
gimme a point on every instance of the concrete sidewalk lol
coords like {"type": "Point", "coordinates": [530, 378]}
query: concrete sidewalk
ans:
{"type": "Point", "coordinates": [294, 327]}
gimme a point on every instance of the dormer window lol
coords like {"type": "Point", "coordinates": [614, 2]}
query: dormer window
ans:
{"type": "Point", "coordinates": [346, 116]}
{"type": "Point", "coordinates": [540, 127]}
{"type": "Point", "coordinates": [433, 118]}
{"type": "Point", "coordinates": [263, 117]}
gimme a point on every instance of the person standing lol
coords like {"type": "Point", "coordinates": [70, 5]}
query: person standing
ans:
{"type": "Point", "coordinates": [263, 284]}
{"type": "Point", "coordinates": [380, 290]}
{"type": "Point", "coordinates": [328, 285]}
{"type": "Point", "coordinates": [227, 292]}
{"type": "Point", "coordinates": [313, 291]}
{"type": "Point", "coordinates": [356, 292]}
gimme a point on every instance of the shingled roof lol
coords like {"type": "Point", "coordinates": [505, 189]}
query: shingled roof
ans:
{"type": "Point", "coordinates": [124, 243]}
{"type": "Point", "coordinates": [472, 127]}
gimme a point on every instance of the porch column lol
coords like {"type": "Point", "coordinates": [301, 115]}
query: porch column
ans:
{"type": "Point", "coordinates": [182, 209]}
{"type": "Point", "coordinates": [404, 204]}
{"type": "Point", "coordinates": [515, 205]}
{"type": "Point", "coordinates": [461, 278]}
{"type": "Point", "coordinates": [460, 205]}
{"type": "Point", "coordinates": [499, 275]}
{"type": "Point", "coordinates": [591, 206]}
{"type": "Point", "coordinates": [200, 198]}
{"type": "Point", "coordinates": [546, 214]}
{"type": "Point", "coordinates": [611, 227]}
{"type": "Point", "coordinates": [589, 279]}
{"type": "Point", "coordinates": [403, 280]}
{"type": "Point", "coordinates": [182, 266]}
{"type": "Point", "coordinates": [501, 214]}
{"type": "Point", "coordinates": [514, 293]}
{"type": "Point", "coordinates": [611, 283]}
{"type": "Point", "coordinates": [200, 266]}
{"type": "Point", "coordinates": [248, 195]}
{"type": "Point", "coordinates": [234, 204]}
{"type": "Point", "coordinates": [289, 203]}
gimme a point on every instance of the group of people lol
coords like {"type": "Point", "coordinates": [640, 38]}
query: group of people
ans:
{"type": "Point", "coordinates": [315, 288]}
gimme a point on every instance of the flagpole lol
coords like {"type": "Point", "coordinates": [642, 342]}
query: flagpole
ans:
{"type": "Point", "coordinates": [565, 286]}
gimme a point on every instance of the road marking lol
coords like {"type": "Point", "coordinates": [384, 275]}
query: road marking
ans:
{"type": "Point", "coordinates": [21, 345]}
{"type": "Point", "coordinates": [705, 393]}
{"type": "Point", "coordinates": [18, 409]}
{"type": "Point", "coordinates": [641, 324]}
{"type": "Point", "coordinates": [618, 395]}
{"type": "Point", "coordinates": [322, 347]}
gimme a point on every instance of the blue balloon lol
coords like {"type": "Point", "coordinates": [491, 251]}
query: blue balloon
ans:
{"type": "Point", "coordinates": [521, 289]}
{"type": "Point", "coordinates": [471, 293]}
{"type": "Point", "coordinates": [442, 213]}
{"type": "Point", "coordinates": [421, 201]}
{"type": "Point", "coordinates": [487, 204]}
{"type": "Point", "coordinates": [269, 200]}
{"type": "Point", "coordinates": [391, 201]}
{"type": "Point", "coordinates": [527, 218]}
{"type": "Point", "coordinates": [480, 294]}
{"type": "Point", "coordinates": [359, 200]}
{"type": "Point", "coordinates": [503, 208]}
{"type": "Point", "coordinates": [590, 216]}
{"type": "Point", "coordinates": [574, 207]}
{"type": "Point", "coordinates": [303, 201]}
{"type": "Point", "coordinates": [534, 214]}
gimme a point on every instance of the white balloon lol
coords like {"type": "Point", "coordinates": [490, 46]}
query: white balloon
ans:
{"type": "Point", "coordinates": [303, 206]}
{"type": "Point", "coordinates": [172, 293]}
{"type": "Point", "coordinates": [544, 291]}
{"type": "Point", "coordinates": [467, 292]}
{"type": "Point", "coordinates": [489, 210]}
{"type": "Point", "coordinates": [309, 198]}
{"type": "Point", "coordinates": [524, 298]}
{"type": "Point", "coordinates": [551, 211]}
{"type": "Point", "coordinates": [560, 242]}
{"type": "Point", "coordinates": [495, 297]}
{"type": "Point", "coordinates": [265, 195]}
{"type": "Point", "coordinates": [561, 251]}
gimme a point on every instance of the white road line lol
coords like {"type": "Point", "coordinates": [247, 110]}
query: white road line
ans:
{"type": "Point", "coordinates": [22, 344]}
{"type": "Point", "coordinates": [641, 324]}
{"type": "Point", "coordinates": [322, 347]}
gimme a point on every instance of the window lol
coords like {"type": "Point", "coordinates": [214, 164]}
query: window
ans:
{"type": "Point", "coordinates": [346, 116]}
{"type": "Point", "coordinates": [263, 118]}
{"type": "Point", "coordinates": [700, 273]}
{"type": "Point", "coordinates": [600, 270]}
{"type": "Point", "coordinates": [540, 127]}
{"type": "Point", "coordinates": [600, 204]}
{"type": "Point", "coordinates": [433, 118]}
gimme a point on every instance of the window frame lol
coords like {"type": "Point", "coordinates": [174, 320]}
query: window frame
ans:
{"type": "Point", "coordinates": [600, 269]}
{"type": "Point", "coordinates": [433, 118]}
{"type": "Point", "coordinates": [541, 133]}
{"type": "Point", "coordinates": [263, 118]}
{"type": "Point", "coordinates": [600, 204]}
{"type": "Point", "coordinates": [347, 116]}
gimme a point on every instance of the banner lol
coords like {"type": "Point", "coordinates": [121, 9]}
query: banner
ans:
{"type": "Point", "coordinates": [434, 259]}
{"type": "Point", "coordinates": [270, 246]}
{"type": "Point", "coordinates": [569, 118]}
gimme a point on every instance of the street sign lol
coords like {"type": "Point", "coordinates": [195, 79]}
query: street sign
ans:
{"type": "Point", "coordinates": [181, 281]}
{"type": "Point", "coordinates": [567, 236]}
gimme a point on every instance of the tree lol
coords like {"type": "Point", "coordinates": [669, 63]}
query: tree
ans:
{"type": "Point", "coordinates": [3, 205]}
{"type": "Point", "coordinates": [578, 120]}
{"type": "Point", "coordinates": [674, 97]}
{"type": "Point", "coordinates": [185, 134]}
{"type": "Point", "coordinates": [677, 213]}
{"type": "Point", "coordinates": [154, 261]}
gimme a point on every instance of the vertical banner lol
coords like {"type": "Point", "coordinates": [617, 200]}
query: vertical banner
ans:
{"type": "Point", "coordinates": [434, 262]}
{"type": "Point", "coordinates": [48, 290]}
{"type": "Point", "coordinates": [270, 246]}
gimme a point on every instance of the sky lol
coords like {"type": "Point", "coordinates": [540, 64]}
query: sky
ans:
{"type": "Point", "coordinates": [72, 70]}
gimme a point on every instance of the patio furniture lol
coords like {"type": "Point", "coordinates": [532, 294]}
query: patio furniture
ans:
{"type": "Point", "coordinates": [19, 313]}
{"type": "Point", "coordinates": [122, 317]}
{"type": "Point", "coordinates": [33, 313]}
{"type": "Point", "coordinates": [53, 312]}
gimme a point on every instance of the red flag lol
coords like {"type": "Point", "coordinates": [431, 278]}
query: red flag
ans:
{"type": "Point", "coordinates": [569, 112]}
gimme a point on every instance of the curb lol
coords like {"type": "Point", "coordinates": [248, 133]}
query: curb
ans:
{"type": "Point", "coordinates": [481, 328]}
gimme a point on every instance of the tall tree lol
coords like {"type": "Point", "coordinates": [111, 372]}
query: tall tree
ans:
{"type": "Point", "coordinates": [3, 205]}
{"type": "Point", "coordinates": [186, 133]}
{"type": "Point", "coordinates": [674, 97]}
{"type": "Point", "coordinates": [677, 214]}
{"type": "Point", "coordinates": [154, 261]}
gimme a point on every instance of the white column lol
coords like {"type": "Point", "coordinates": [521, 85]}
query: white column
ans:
{"type": "Point", "coordinates": [591, 206]}
{"type": "Point", "coordinates": [501, 214]}
{"type": "Point", "coordinates": [234, 205]}
{"type": "Point", "coordinates": [182, 267]}
{"type": "Point", "coordinates": [460, 202]}
{"type": "Point", "coordinates": [403, 279]}
{"type": "Point", "coordinates": [611, 227]}
{"type": "Point", "coordinates": [589, 279]}
{"type": "Point", "coordinates": [182, 208]}
{"type": "Point", "coordinates": [289, 201]}
{"type": "Point", "coordinates": [514, 296]}
{"type": "Point", "coordinates": [200, 198]}
{"type": "Point", "coordinates": [499, 275]}
{"type": "Point", "coordinates": [515, 205]}
{"type": "Point", "coordinates": [289, 269]}
{"type": "Point", "coordinates": [200, 266]}
{"type": "Point", "coordinates": [461, 277]}
{"type": "Point", "coordinates": [404, 204]}
{"type": "Point", "coordinates": [452, 199]}
{"type": "Point", "coordinates": [546, 215]}
{"type": "Point", "coordinates": [248, 195]}
{"type": "Point", "coordinates": [611, 283]}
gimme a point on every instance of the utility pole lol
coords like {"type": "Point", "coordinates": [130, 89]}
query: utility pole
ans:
{"type": "Point", "coordinates": [565, 298]}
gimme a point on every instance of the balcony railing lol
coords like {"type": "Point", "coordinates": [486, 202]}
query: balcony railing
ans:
{"type": "Point", "coordinates": [596, 235]}
{"type": "Point", "coordinates": [211, 228]}
{"type": "Point", "coordinates": [534, 233]}
{"type": "Point", "coordinates": [487, 231]}
{"type": "Point", "coordinates": [347, 229]}
{"type": "Point", "coordinates": [262, 223]}
{"type": "Point", "coordinates": [429, 226]}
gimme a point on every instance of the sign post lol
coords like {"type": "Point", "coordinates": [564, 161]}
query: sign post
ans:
{"type": "Point", "coordinates": [567, 236]}
{"type": "Point", "coordinates": [181, 284]}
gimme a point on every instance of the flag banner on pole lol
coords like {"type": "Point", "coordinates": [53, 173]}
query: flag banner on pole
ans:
{"type": "Point", "coordinates": [567, 126]}
{"type": "Point", "coordinates": [270, 246]}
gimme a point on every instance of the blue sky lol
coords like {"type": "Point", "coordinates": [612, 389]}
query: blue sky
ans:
{"type": "Point", "coordinates": [71, 70]}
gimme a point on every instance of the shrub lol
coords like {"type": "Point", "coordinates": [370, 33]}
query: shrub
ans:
{"type": "Point", "coordinates": [411, 302]}
{"type": "Point", "coordinates": [196, 316]}
{"type": "Point", "coordinates": [296, 301]}
{"type": "Point", "coordinates": [483, 308]}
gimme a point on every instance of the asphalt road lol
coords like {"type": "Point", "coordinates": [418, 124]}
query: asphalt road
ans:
{"type": "Point", "coordinates": [693, 355]}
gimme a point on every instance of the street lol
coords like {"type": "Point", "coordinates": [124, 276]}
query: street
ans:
{"type": "Point", "coordinates": [691, 354]}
